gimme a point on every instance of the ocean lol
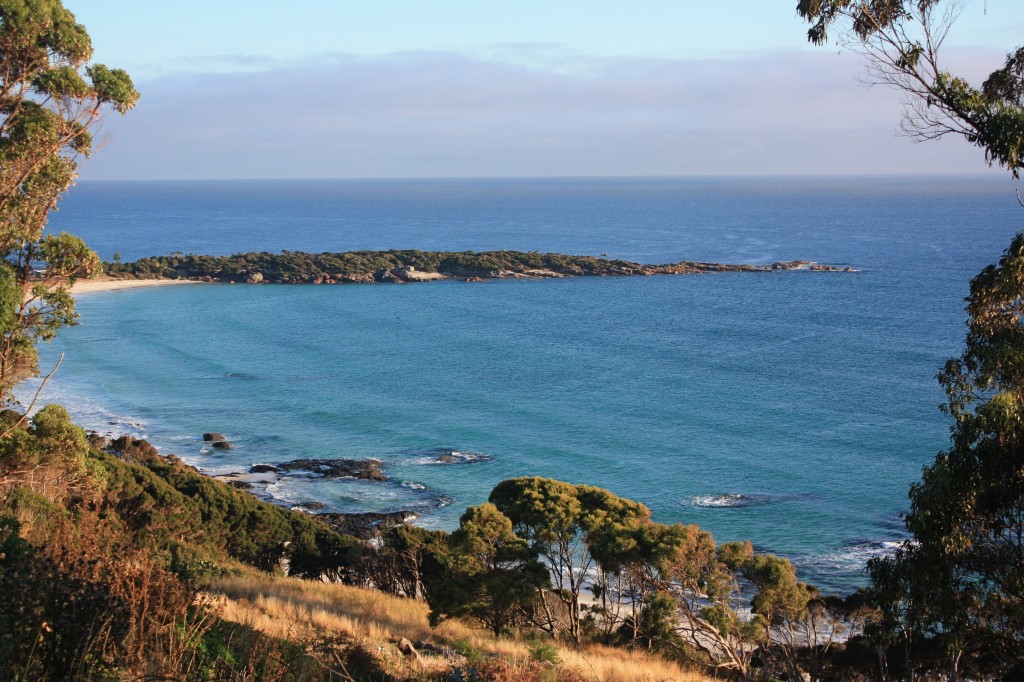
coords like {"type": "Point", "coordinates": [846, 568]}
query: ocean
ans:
{"type": "Point", "coordinates": [793, 409]}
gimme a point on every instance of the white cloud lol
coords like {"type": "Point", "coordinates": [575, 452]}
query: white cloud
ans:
{"type": "Point", "coordinates": [445, 115]}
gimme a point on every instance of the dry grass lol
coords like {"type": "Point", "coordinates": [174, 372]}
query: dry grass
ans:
{"type": "Point", "coordinates": [298, 609]}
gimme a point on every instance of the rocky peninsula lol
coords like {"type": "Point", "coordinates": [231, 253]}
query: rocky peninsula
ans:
{"type": "Point", "coordinates": [409, 266]}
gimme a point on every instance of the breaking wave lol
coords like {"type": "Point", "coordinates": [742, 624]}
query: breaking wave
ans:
{"type": "Point", "coordinates": [738, 500]}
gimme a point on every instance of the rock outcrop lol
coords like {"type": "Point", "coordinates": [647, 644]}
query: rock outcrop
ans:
{"type": "Point", "coordinates": [365, 525]}
{"type": "Point", "coordinates": [366, 469]}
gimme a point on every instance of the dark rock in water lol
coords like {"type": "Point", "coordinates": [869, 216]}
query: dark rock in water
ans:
{"type": "Point", "coordinates": [264, 469]}
{"type": "Point", "coordinates": [311, 506]}
{"type": "Point", "coordinates": [366, 469]}
{"type": "Point", "coordinates": [222, 444]}
{"type": "Point", "coordinates": [213, 437]}
{"type": "Point", "coordinates": [453, 456]}
{"type": "Point", "coordinates": [241, 485]}
{"type": "Point", "coordinates": [365, 525]}
{"type": "Point", "coordinates": [131, 449]}
{"type": "Point", "coordinates": [97, 441]}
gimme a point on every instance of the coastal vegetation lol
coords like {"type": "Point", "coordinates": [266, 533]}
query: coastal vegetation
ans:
{"type": "Point", "coordinates": [117, 562]}
{"type": "Point", "coordinates": [159, 562]}
{"type": "Point", "coordinates": [957, 586]}
{"type": "Point", "coordinates": [364, 267]}
{"type": "Point", "coordinates": [50, 103]}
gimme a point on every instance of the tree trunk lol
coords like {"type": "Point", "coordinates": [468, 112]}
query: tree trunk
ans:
{"type": "Point", "coordinates": [883, 667]}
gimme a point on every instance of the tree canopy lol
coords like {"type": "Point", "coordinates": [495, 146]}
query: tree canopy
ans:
{"type": "Point", "coordinates": [50, 102]}
{"type": "Point", "coordinates": [902, 40]}
{"type": "Point", "coordinates": [960, 581]}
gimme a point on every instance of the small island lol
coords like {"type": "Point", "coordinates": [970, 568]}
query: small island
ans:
{"type": "Point", "coordinates": [407, 266]}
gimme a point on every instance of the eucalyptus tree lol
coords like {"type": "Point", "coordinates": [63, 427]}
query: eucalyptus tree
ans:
{"type": "Point", "coordinates": [51, 101]}
{"type": "Point", "coordinates": [563, 523]}
{"type": "Point", "coordinates": [961, 579]}
{"type": "Point", "coordinates": [491, 575]}
{"type": "Point", "coordinates": [902, 41]}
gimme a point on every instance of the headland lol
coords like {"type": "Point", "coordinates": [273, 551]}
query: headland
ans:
{"type": "Point", "coordinates": [412, 266]}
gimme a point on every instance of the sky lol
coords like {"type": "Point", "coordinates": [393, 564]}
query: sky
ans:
{"type": "Point", "coordinates": [460, 88]}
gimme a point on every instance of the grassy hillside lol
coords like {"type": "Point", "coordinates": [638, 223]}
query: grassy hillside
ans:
{"type": "Point", "coordinates": [373, 622]}
{"type": "Point", "coordinates": [124, 564]}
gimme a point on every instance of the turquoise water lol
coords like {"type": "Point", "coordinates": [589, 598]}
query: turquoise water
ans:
{"type": "Point", "coordinates": [792, 408]}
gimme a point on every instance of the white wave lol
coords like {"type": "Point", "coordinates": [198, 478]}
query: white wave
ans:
{"type": "Point", "coordinates": [89, 414]}
{"type": "Point", "coordinates": [444, 456]}
{"type": "Point", "coordinates": [413, 485]}
{"type": "Point", "coordinates": [727, 500]}
{"type": "Point", "coordinates": [849, 559]}
{"type": "Point", "coordinates": [733, 500]}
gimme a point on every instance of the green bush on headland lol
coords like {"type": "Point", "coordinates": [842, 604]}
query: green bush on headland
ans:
{"type": "Point", "coordinates": [294, 267]}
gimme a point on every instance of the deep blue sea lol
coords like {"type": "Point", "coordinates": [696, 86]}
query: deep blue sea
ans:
{"type": "Point", "coordinates": [793, 409]}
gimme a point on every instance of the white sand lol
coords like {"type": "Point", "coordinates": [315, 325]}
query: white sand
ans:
{"type": "Point", "coordinates": [90, 286]}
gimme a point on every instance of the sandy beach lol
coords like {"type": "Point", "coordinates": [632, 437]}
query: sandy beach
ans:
{"type": "Point", "coordinates": [102, 283]}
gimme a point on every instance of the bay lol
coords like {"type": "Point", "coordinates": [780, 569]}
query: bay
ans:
{"type": "Point", "coordinates": [793, 409]}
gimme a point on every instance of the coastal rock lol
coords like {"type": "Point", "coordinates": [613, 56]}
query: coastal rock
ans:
{"type": "Point", "coordinates": [309, 506]}
{"type": "Point", "coordinates": [453, 456]}
{"type": "Point", "coordinates": [255, 278]}
{"type": "Point", "coordinates": [223, 445]}
{"type": "Point", "coordinates": [366, 469]}
{"type": "Point", "coordinates": [544, 274]}
{"type": "Point", "coordinates": [97, 441]}
{"type": "Point", "coordinates": [365, 525]}
{"type": "Point", "coordinates": [241, 485]}
{"type": "Point", "coordinates": [264, 469]}
{"type": "Point", "coordinates": [362, 278]}
{"type": "Point", "coordinates": [132, 449]}
{"type": "Point", "coordinates": [411, 274]}
{"type": "Point", "coordinates": [213, 436]}
{"type": "Point", "coordinates": [408, 650]}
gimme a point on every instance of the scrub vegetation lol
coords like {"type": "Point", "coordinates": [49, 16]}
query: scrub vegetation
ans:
{"type": "Point", "coordinates": [117, 562]}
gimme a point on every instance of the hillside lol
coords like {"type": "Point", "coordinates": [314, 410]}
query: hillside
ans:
{"type": "Point", "coordinates": [120, 563]}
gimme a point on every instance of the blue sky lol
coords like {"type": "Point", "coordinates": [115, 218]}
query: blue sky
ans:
{"type": "Point", "coordinates": [410, 88]}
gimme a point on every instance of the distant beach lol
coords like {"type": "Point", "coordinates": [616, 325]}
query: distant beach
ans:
{"type": "Point", "coordinates": [104, 283]}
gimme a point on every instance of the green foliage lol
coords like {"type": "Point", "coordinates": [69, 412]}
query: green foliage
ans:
{"type": "Point", "coordinates": [779, 595]}
{"type": "Point", "coordinates": [163, 499]}
{"type": "Point", "coordinates": [81, 605]}
{"type": "Point", "coordinates": [544, 652]}
{"type": "Point", "coordinates": [866, 18]}
{"type": "Point", "coordinates": [491, 574]}
{"type": "Point", "coordinates": [49, 101]}
{"type": "Point", "coordinates": [571, 527]}
{"type": "Point", "coordinates": [50, 439]}
{"type": "Point", "coordinates": [901, 39]}
{"type": "Point", "coordinates": [657, 621]}
{"type": "Point", "coordinates": [473, 655]}
{"type": "Point", "coordinates": [962, 577]}
{"type": "Point", "coordinates": [361, 266]}
{"type": "Point", "coordinates": [959, 585]}
{"type": "Point", "coordinates": [407, 563]}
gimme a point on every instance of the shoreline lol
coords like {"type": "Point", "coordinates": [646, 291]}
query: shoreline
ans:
{"type": "Point", "coordinates": [106, 283]}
